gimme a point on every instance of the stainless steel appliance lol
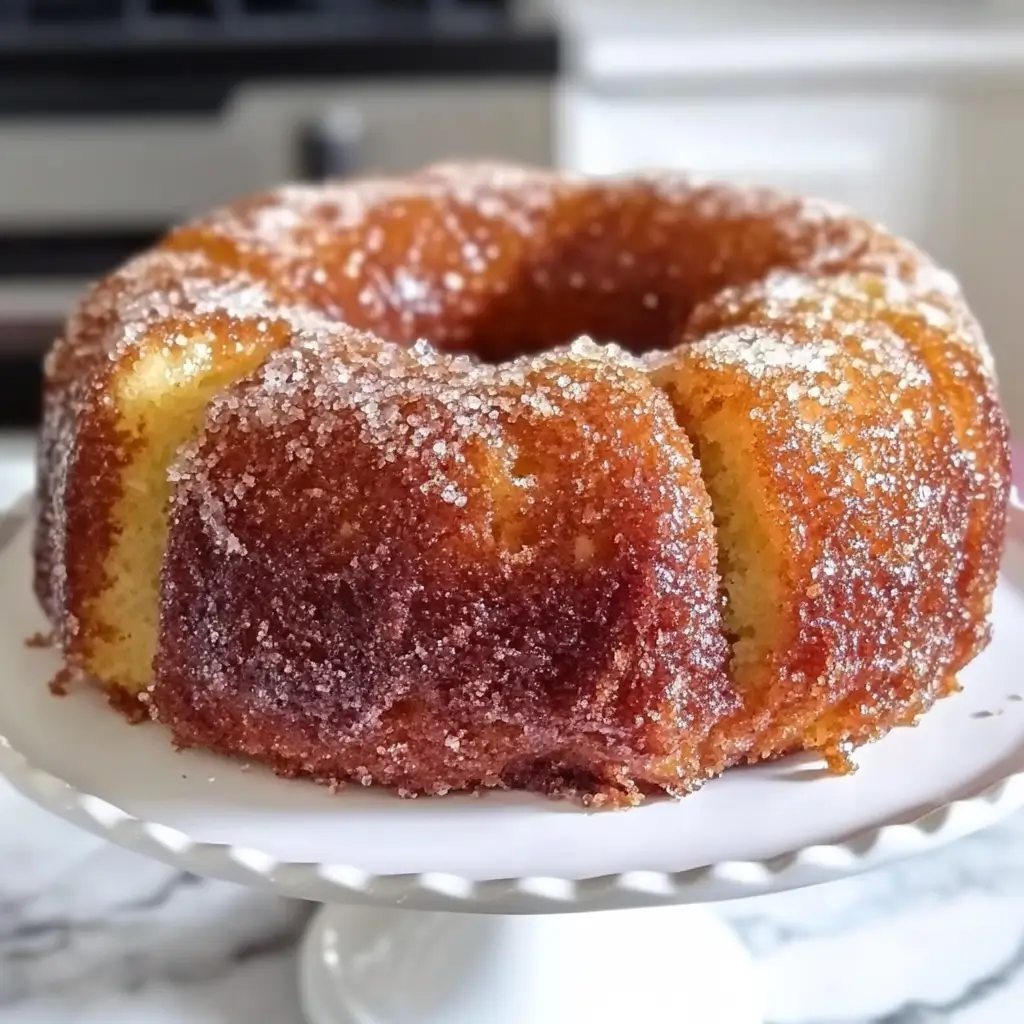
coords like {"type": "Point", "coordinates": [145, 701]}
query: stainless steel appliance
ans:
{"type": "Point", "coordinates": [119, 117]}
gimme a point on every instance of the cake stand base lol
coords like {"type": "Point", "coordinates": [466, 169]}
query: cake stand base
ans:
{"type": "Point", "coordinates": [368, 965]}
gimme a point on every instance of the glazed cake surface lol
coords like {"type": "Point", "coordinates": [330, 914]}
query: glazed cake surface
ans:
{"type": "Point", "coordinates": [494, 477]}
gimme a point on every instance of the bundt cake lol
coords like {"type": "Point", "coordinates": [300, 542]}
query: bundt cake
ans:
{"type": "Point", "coordinates": [494, 477]}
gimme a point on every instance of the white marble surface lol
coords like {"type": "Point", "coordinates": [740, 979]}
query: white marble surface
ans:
{"type": "Point", "coordinates": [90, 934]}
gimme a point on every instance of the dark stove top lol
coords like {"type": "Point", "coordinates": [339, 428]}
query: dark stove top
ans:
{"type": "Point", "coordinates": [77, 56]}
{"type": "Point", "coordinates": [81, 24]}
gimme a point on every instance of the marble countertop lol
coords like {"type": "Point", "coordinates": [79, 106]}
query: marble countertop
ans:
{"type": "Point", "coordinates": [90, 933]}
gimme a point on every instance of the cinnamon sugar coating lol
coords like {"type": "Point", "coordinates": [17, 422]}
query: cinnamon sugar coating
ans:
{"type": "Point", "coordinates": [933, 324]}
{"type": "Point", "coordinates": [397, 566]}
{"type": "Point", "coordinates": [402, 550]}
{"type": "Point", "coordinates": [848, 464]}
{"type": "Point", "coordinates": [180, 305]}
{"type": "Point", "coordinates": [505, 260]}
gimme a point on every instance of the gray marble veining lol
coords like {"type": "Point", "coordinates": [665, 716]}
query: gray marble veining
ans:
{"type": "Point", "coordinates": [91, 933]}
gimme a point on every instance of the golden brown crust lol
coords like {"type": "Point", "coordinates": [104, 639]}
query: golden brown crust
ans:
{"type": "Point", "coordinates": [159, 300]}
{"type": "Point", "coordinates": [504, 261]}
{"type": "Point", "coordinates": [397, 566]}
{"type": "Point", "coordinates": [933, 323]}
{"type": "Point", "coordinates": [850, 460]}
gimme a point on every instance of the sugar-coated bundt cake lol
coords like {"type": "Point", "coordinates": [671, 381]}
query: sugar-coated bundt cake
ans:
{"type": "Point", "coordinates": [336, 478]}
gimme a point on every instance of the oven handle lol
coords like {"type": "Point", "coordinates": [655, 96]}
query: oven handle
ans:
{"type": "Point", "coordinates": [329, 147]}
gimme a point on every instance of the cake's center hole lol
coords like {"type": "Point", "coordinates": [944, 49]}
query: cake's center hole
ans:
{"type": "Point", "coordinates": [504, 330]}
{"type": "Point", "coordinates": [585, 286]}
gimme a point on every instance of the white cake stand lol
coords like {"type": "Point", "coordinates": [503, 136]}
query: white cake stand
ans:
{"type": "Point", "coordinates": [456, 910]}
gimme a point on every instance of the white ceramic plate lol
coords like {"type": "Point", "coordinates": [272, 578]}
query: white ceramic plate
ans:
{"type": "Point", "coordinates": [753, 830]}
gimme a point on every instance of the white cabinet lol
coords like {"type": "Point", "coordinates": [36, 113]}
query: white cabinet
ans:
{"type": "Point", "coordinates": [879, 154]}
{"type": "Point", "coordinates": [17, 467]}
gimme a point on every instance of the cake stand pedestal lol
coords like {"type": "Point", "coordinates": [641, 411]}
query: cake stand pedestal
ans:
{"type": "Point", "coordinates": [462, 910]}
{"type": "Point", "coordinates": [367, 965]}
